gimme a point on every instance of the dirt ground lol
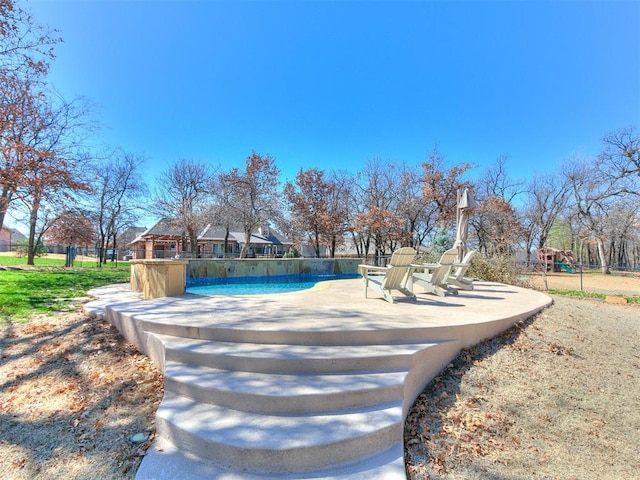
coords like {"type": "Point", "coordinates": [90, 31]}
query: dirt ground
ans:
{"type": "Point", "coordinates": [555, 397]}
{"type": "Point", "coordinates": [617, 283]}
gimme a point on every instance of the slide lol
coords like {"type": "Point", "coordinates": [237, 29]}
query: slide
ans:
{"type": "Point", "coordinates": [566, 267]}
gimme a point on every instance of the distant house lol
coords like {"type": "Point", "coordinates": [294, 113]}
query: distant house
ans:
{"type": "Point", "coordinates": [166, 239]}
{"type": "Point", "coordinates": [8, 238]}
{"type": "Point", "coordinates": [160, 241]}
{"type": "Point", "coordinates": [124, 240]}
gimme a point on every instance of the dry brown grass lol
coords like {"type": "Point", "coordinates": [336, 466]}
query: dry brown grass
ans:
{"type": "Point", "coordinates": [72, 393]}
{"type": "Point", "coordinates": [554, 397]}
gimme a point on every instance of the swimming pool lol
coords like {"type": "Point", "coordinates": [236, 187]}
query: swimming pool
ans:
{"type": "Point", "coordinates": [260, 285]}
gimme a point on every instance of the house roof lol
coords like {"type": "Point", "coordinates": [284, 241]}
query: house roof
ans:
{"type": "Point", "coordinates": [165, 227]}
{"type": "Point", "coordinates": [277, 239]}
{"type": "Point", "coordinates": [214, 232]}
{"type": "Point", "coordinates": [130, 234]}
{"type": "Point", "coordinates": [168, 228]}
{"type": "Point", "coordinates": [255, 238]}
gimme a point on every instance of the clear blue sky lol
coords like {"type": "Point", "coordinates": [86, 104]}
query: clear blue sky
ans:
{"type": "Point", "coordinates": [330, 84]}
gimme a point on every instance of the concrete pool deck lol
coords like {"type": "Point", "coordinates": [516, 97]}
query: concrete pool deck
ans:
{"type": "Point", "coordinates": [312, 384]}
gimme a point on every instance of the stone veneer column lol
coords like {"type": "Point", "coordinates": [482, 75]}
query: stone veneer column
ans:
{"type": "Point", "coordinates": [159, 278]}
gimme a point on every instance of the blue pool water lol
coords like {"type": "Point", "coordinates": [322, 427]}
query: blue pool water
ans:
{"type": "Point", "coordinates": [259, 285]}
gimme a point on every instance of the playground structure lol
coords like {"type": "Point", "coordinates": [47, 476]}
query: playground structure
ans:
{"type": "Point", "coordinates": [555, 260]}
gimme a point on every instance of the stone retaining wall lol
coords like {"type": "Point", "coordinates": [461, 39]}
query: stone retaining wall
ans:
{"type": "Point", "coordinates": [255, 267]}
{"type": "Point", "coordinates": [164, 278]}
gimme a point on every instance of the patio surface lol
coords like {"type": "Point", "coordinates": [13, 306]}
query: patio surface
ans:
{"type": "Point", "coordinates": [334, 315]}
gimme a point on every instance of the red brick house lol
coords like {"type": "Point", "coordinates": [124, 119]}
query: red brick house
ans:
{"type": "Point", "coordinates": [8, 237]}
{"type": "Point", "coordinates": [166, 238]}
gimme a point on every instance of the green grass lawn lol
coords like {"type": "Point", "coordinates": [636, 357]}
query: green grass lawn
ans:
{"type": "Point", "coordinates": [24, 293]}
{"type": "Point", "coordinates": [38, 261]}
{"type": "Point", "coordinates": [57, 261]}
{"type": "Point", "coordinates": [600, 296]}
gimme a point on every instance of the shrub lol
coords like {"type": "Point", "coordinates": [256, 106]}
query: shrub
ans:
{"type": "Point", "coordinates": [21, 248]}
{"type": "Point", "coordinates": [442, 241]}
{"type": "Point", "coordinates": [292, 253]}
{"type": "Point", "coordinates": [496, 269]}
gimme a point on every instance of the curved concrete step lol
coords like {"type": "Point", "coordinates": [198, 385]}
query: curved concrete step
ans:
{"type": "Point", "coordinates": [278, 443]}
{"type": "Point", "coordinates": [164, 461]}
{"type": "Point", "coordinates": [204, 327]}
{"type": "Point", "coordinates": [279, 393]}
{"type": "Point", "coordinates": [278, 358]}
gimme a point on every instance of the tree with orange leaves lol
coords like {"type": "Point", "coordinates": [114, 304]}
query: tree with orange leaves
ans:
{"type": "Point", "coordinates": [25, 53]}
{"type": "Point", "coordinates": [385, 227]}
{"type": "Point", "coordinates": [72, 227]}
{"type": "Point", "coordinates": [318, 214]}
{"type": "Point", "coordinates": [53, 166]}
{"type": "Point", "coordinates": [440, 185]}
{"type": "Point", "coordinates": [40, 156]}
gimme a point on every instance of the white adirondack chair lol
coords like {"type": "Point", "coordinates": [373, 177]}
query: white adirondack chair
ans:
{"type": "Point", "coordinates": [433, 276]}
{"type": "Point", "coordinates": [457, 277]}
{"type": "Point", "coordinates": [395, 276]}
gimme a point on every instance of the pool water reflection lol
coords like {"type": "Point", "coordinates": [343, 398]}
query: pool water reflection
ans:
{"type": "Point", "coordinates": [259, 285]}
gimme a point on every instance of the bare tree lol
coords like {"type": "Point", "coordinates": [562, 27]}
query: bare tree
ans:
{"type": "Point", "coordinates": [251, 196]}
{"type": "Point", "coordinates": [347, 199]}
{"type": "Point", "coordinates": [385, 227]}
{"type": "Point", "coordinates": [547, 198]}
{"type": "Point", "coordinates": [419, 214]}
{"type": "Point", "coordinates": [18, 109]}
{"type": "Point", "coordinates": [117, 200]}
{"type": "Point", "coordinates": [621, 229]}
{"type": "Point", "coordinates": [415, 202]}
{"type": "Point", "coordinates": [184, 193]}
{"type": "Point", "coordinates": [72, 227]}
{"type": "Point", "coordinates": [25, 45]}
{"type": "Point", "coordinates": [216, 213]}
{"type": "Point", "coordinates": [338, 212]}
{"type": "Point", "coordinates": [621, 154]}
{"type": "Point", "coordinates": [593, 195]}
{"type": "Point", "coordinates": [357, 205]}
{"type": "Point", "coordinates": [496, 182]}
{"type": "Point", "coordinates": [614, 197]}
{"type": "Point", "coordinates": [307, 197]}
{"type": "Point", "coordinates": [41, 158]}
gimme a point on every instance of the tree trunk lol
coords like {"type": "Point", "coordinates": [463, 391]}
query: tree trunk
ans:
{"type": "Point", "coordinates": [603, 257]}
{"type": "Point", "coordinates": [183, 243]}
{"type": "Point", "coordinates": [247, 243]}
{"type": "Point", "coordinates": [356, 242]}
{"type": "Point", "coordinates": [103, 249]}
{"type": "Point", "coordinates": [5, 200]}
{"type": "Point", "coordinates": [193, 240]}
{"type": "Point", "coordinates": [316, 243]}
{"type": "Point", "coordinates": [226, 243]}
{"type": "Point", "coordinates": [114, 250]}
{"type": "Point", "coordinates": [33, 219]}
